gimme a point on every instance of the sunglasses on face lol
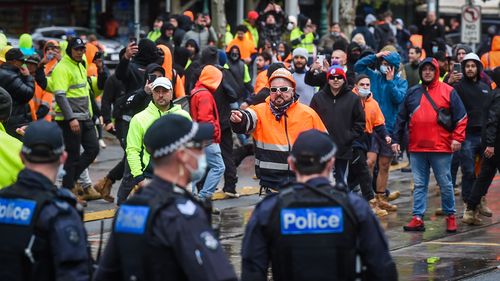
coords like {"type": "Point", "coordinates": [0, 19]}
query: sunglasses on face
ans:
{"type": "Point", "coordinates": [335, 78]}
{"type": "Point", "coordinates": [280, 89]}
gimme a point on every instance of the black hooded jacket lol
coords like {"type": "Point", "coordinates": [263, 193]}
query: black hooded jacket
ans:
{"type": "Point", "coordinates": [343, 116]}
{"type": "Point", "coordinates": [476, 97]}
{"type": "Point", "coordinates": [491, 128]}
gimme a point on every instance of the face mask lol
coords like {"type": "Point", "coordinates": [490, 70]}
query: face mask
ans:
{"type": "Point", "coordinates": [289, 26]}
{"type": "Point", "coordinates": [435, 49]}
{"type": "Point", "coordinates": [335, 34]}
{"type": "Point", "coordinates": [61, 172]}
{"type": "Point", "coordinates": [335, 62]}
{"type": "Point", "coordinates": [198, 174]}
{"type": "Point", "coordinates": [235, 56]}
{"type": "Point", "coordinates": [50, 56]}
{"type": "Point", "coordinates": [363, 92]}
{"type": "Point", "coordinates": [383, 69]}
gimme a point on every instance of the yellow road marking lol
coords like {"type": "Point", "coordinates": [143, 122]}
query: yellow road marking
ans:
{"type": "Point", "coordinates": [398, 166]}
{"type": "Point", "coordinates": [464, 243]}
{"type": "Point", "coordinates": [99, 215]}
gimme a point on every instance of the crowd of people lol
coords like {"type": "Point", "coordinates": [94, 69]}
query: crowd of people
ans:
{"type": "Point", "coordinates": [377, 92]}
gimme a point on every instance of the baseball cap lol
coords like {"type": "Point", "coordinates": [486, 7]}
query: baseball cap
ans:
{"type": "Point", "coordinates": [253, 15]}
{"type": "Point", "coordinates": [282, 73]}
{"type": "Point", "coordinates": [181, 132]}
{"type": "Point", "coordinates": [43, 142]}
{"type": "Point", "coordinates": [313, 147]}
{"type": "Point", "coordinates": [76, 43]}
{"type": "Point", "coordinates": [162, 82]}
{"type": "Point", "coordinates": [14, 54]}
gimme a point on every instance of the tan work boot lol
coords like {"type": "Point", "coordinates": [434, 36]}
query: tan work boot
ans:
{"type": "Point", "coordinates": [483, 208]}
{"type": "Point", "coordinates": [471, 217]}
{"type": "Point", "coordinates": [383, 204]}
{"type": "Point", "coordinates": [439, 212]}
{"type": "Point", "coordinates": [394, 195]}
{"type": "Point", "coordinates": [90, 194]}
{"type": "Point", "coordinates": [104, 186]}
{"type": "Point", "coordinates": [376, 209]}
{"type": "Point", "coordinates": [78, 192]}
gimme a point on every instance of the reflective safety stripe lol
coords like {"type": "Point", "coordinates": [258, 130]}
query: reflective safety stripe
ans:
{"type": "Point", "coordinates": [252, 120]}
{"type": "Point", "coordinates": [77, 86]}
{"type": "Point", "coordinates": [271, 165]}
{"type": "Point", "coordinates": [273, 147]}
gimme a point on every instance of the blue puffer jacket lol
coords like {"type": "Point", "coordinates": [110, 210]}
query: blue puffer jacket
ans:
{"type": "Point", "coordinates": [388, 94]}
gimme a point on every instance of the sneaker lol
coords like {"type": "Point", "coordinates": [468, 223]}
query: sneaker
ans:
{"type": "Point", "coordinates": [416, 224]}
{"type": "Point", "coordinates": [90, 194]}
{"type": "Point", "coordinates": [102, 144]}
{"type": "Point", "coordinates": [483, 208]}
{"type": "Point", "coordinates": [264, 190]}
{"type": "Point", "coordinates": [451, 224]}
{"type": "Point", "coordinates": [232, 194]}
{"type": "Point", "coordinates": [376, 209]}
{"type": "Point", "coordinates": [104, 186]}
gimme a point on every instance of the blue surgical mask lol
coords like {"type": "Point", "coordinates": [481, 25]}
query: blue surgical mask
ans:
{"type": "Point", "coordinates": [435, 49]}
{"type": "Point", "coordinates": [363, 92]}
{"type": "Point", "coordinates": [383, 69]}
{"type": "Point", "coordinates": [198, 174]}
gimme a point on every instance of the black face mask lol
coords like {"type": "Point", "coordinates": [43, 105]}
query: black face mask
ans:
{"type": "Point", "coordinates": [234, 56]}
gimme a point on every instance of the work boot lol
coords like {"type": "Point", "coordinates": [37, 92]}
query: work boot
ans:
{"type": "Point", "coordinates": [483, 208]}
{"type": "Point", "coordinates": [393, 195]}
{"type": "Point", "coordinates": [451, 223]}
{"type": "Point", "coordinates": [90, 194]}
{"type": "Point", "coordinates": [471, 217]}
{"type": "Point", "coordinates": [78, 192]}
{"type": "Point", "coordinates": [439, 212]}
{"type": "Point", "coordinates": [383, 204]}
{"type": "Point", "coordinates": [376, 209]}
{"type": "Point", "coordinates": [104, 186]}
{"type": "Point", "coordinates": [416, 224]}
{"type": "Point", "coordinates": [456, 191]}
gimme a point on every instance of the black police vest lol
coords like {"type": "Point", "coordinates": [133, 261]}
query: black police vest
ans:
{"type": "Point", "coordinates": [313, 236]}
{"type": "Point", "coordinates": [24, 252]}
{"type": "Point", "coordinates": [141, 256]}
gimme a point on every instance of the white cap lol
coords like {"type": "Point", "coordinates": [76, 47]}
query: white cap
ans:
{"type": "Point", "coordinates": [162, 82]}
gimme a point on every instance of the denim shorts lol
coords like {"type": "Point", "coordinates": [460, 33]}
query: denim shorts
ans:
{"type": "Point", "coordinates": [380, 147]}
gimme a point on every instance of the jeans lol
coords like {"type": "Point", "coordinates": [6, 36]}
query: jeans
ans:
{"type": "Point", "coordinates": [421, 164]}
{"type": "Point", "coordinates": [76, 163]}
{"type": "Point", "coordinates": [489, 168]}
{"type": "Point", "coordinates": [455, 163]}
{"type": "Point", "coordinates": [471, 147]}
{"type": "Point", "coordinates": [216, 170]}
{"type": "Point", "coordinates": [341, 171]}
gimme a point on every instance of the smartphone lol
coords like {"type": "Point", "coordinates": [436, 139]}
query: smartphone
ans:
{"type": "Point", "coordinates": [320, 59]}
{"type": "Point", "coordinates": [151, 78]}
{"type": "Point", "coordinates": [132, 40]}
{"type": "Point", "coordinates": [98, 56]}
{"type": "Point", "coordinates": [457, 67]}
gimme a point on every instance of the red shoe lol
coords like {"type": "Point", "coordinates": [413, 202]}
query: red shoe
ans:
{"type": "Point", "coordinates": [416, 224]}
{"type": "Point", "coordinates": [451, 224]}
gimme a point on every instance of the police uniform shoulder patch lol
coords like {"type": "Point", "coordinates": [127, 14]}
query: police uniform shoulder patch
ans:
{"type": "Point", "coordinates": [131, 219]}
{"type": "Point", "coordinates": [72, 234]}
{"type": "Point", "coordinates": [16, 211]}
{"type": "Point", "coordinates": [297, 221]}
{"type": "Point", "coordinates": [209, 240]}
{"type": "Point", "coordinates": [187, 208]}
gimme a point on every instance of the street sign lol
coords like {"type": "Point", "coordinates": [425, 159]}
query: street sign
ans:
{"type": "Point", "coordinates": [471, 24]}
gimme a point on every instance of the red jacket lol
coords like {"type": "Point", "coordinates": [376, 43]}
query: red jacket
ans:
{"type": "Point", "coordinates": [204, 109]}
{"type": "Point", "coordinates": [426, 135]}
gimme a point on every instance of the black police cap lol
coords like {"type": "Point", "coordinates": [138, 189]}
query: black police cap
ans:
{"type": "Point", "coordinates": [172, 131]}
{"type": "Point", "coordinates": [314, 147]}
{"type": "Point", "coordinates": [43, 142]}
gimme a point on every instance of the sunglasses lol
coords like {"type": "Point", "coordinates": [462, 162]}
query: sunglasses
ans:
{"type": "Point", "coordinates": [280, 89]}
{"type": "Point", "coordinates": [335, 78]}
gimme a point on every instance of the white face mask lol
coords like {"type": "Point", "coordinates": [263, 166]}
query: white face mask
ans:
{"type": "Point", "coordinates": [363, 92]}
{"type": "Point", "coordinates": [289, 26]}
{"type": "Point", "coordinates": [383, 69]}
{"type": "Point", "coordinates": [197, 174]}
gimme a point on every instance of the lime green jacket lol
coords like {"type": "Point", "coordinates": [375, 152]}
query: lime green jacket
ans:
{"type": "Point", "coordinates": [154, 34]}
{"type": "Point", "coordinates": [307, 42]}
{"type": "Point", "coordinates": [10, 162]}
{"type": "Point", "coordinates": [137, 156]}
{"type": "Point", "coordinates": [69, 84]}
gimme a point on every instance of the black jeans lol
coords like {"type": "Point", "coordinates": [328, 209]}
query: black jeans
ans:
{"type": "Point", "coordinates": [480, 187]}
{"type": "Point", "coordinates": [116, 173]}
{"type": "Point", "coordinates": [76, 163]}
{"type": "Point", "coordinates": [226, 147]}
{"type": "Point", "coordinates": [360, 174]}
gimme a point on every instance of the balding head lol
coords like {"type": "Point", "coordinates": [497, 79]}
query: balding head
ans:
{"type": "Point", "coordinates": [339, 56]}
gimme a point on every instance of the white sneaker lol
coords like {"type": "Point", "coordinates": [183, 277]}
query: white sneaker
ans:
{"type": "Point", "coordinates": [102, 144]}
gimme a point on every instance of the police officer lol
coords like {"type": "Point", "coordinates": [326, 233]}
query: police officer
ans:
{"type": "Point", "coordinates": [312, 230]}
{"type": "Point", "coordinates": [43, 237]}
{"type": "Point", "coordinates": [162, 232]}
